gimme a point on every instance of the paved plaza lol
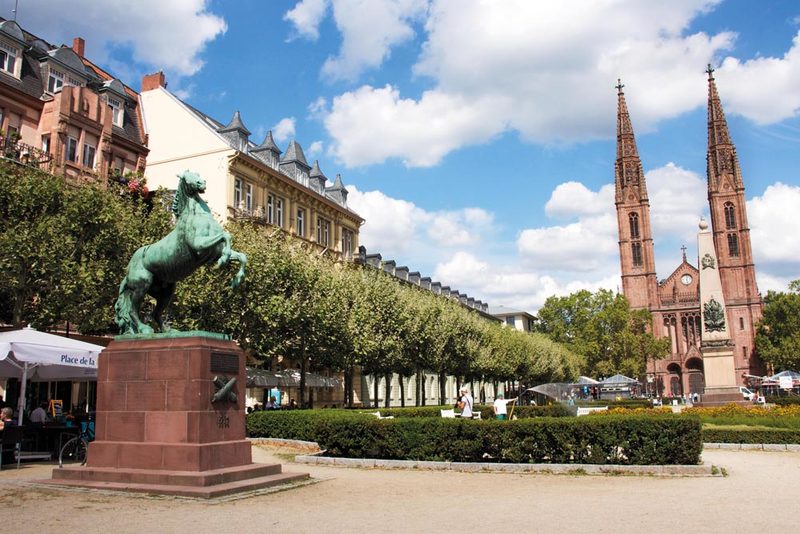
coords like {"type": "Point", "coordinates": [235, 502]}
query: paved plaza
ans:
{"type": "Point", "coordinates": [757, 495]}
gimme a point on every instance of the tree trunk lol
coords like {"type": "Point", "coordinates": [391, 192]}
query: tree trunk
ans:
{"type": "Point", "coordinates": [422, 392]}
{"type": "Point", "coordinates": [348, 386]}
{"type": "Point", "coordinates": [375, 391]}
{"type": "Point", "coordinates": [387, 390]}
{"type": "Point", "coordinates": [302, 375]}
{"type": "Point", "coordinates": [442, 378]}
{"type": "Point", "coordinates": [402, 391]}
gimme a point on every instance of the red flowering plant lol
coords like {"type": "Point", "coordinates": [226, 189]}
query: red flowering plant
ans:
{"type": "Point", "coordinates": [133, 183]}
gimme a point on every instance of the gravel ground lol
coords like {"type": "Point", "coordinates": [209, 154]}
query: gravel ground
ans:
{"type": "Point", "coordinates": [758, 494]}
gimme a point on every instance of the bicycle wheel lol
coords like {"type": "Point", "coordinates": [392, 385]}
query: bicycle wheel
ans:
{"type": "Point", "coordinates": [73, 451]}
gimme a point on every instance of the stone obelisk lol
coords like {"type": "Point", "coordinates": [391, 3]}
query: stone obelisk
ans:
{"type": "Point", "coordinates": [716, 345]}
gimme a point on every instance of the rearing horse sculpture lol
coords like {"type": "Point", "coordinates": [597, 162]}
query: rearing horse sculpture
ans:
{"type": "Point", "coordinates": [154, 269]}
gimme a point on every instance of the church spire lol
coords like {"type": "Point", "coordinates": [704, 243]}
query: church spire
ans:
{"type": "Point", "coordinates": [637, 260]}
{"type": "Point", "coordinates": [628, 166]}
{"type": "Point", "coordinates": [721, 158]}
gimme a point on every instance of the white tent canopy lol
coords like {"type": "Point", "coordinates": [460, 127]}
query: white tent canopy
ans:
{"type": "Point", "coordinates": [28, 354]}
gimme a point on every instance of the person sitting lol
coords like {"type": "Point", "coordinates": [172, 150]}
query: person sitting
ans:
{"type": "Point", "coordinates": [39, 415]}
{"type": "Point", "coordinates": [7, 417]}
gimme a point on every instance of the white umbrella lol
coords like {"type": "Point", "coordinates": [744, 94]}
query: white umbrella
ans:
{"type": "Point", "coordinates": [50, 357]}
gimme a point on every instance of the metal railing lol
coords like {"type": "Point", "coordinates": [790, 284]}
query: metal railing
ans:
{"type": "Point", "coordinates": [11, 148]}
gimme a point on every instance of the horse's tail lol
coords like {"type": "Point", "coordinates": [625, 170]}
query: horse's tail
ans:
{"type": "Point", "coordinates": [123, 307]}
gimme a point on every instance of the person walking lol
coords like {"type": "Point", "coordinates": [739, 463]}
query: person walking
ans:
{"type": "Point", "coordinates": [500, 407]}
{"type": "Point", "coordinates": [465, 403]}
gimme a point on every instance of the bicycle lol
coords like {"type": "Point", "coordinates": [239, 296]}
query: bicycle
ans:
{"type": "Point", "coordinates": [76, 449]}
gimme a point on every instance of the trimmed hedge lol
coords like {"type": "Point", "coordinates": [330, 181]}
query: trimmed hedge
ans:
{"type": "Point", "coordinates": [633, 440]}
{"type": "Point", "coordinates": [521, 412]}
{"type": "Point", "coordinates": [624, 403]}
{"type": "Point", "coordinates": [783, 401]}
{"type": "Point", "coordinates": [750, 435]}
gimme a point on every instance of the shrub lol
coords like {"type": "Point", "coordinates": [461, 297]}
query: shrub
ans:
{"type": "Point", "coordinates": [784, 401]}
{"type": "Point", "coordinates": [624, 403]}
{"type": "Point", "coordinates": [723, 434]}
{"type": "Point", "coordinates": [614, 439]}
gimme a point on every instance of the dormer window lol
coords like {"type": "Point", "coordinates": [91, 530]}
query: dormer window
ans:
{"type": "Point", "coordinates": [8, 59]}
{"type": "Point", "coordinates": [117, 111]}
{"type": "Point", "coordinates": [55, 81]}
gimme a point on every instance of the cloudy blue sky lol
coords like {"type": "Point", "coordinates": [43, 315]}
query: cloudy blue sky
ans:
{"type": "Point", "coordinates": [477, 138]}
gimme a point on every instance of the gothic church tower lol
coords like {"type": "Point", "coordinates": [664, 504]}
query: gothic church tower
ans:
{"type": "Point", "coordinates": [731, 232]}
{"type": "Point", "coordinates": [639, 282]}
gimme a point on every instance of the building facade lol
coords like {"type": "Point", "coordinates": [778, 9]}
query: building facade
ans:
{"type": "Point", "coordinates": [518, 319]}
{"type": "Point", "coordinates": [675, 300]}
{"type": "Point", "coordinates": [244, 180]}
{"type": "Point", "coordinates": [61, 113]}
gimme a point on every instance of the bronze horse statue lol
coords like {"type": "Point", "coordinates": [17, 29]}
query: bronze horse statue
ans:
{"type": "Point", "coordinates": [154, 269]}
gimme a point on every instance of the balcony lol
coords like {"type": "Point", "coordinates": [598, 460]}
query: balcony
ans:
{"type": "Point", "coordinates": [12, 149]}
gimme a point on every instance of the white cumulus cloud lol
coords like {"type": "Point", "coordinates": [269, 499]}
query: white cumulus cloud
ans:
{"type": "Point", "coordinates": [306, 17]}
{"type": "Point", "coordinates": [539, 69]}
{"type": "Point", "coordinates": [678, 198]}
{"type": "Point", "coordinates": [370, 28]}
{"type": "Point", "coordinates": [165, 35]}
{"type": "Point", "coordinates": [775, 229]}
{"type": "Point", "coordinates": [284, 130]}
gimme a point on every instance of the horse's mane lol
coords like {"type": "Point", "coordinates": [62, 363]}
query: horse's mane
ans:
{"type": "Point", "coordinates": [181, 198]}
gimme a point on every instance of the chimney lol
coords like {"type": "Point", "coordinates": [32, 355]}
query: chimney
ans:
{"type": "Point", "coordinates": [78, 45]}
{"type": "Point", "coordinates": [153, 81]}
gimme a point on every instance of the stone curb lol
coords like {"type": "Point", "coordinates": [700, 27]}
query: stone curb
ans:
{"type": "Point", "coordinates": [772, 447]}
{"type": "Point", "coordinates": [484, 467]}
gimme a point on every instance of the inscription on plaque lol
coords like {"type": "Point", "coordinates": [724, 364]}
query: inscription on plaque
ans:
{"type": "Point", "coordinates": [224, 363]}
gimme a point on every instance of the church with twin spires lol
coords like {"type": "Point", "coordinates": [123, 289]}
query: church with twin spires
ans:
{"type": "Point", "coordinates": [675, 301]}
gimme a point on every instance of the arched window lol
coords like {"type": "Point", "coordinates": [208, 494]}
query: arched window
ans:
{"type": "Point", "coordinates": [730, 215]}
{"type": "Point", "coordinates": [633, 220]}
{"type": "Point", "coordinates": [733, 244]}
{"type": "Point", "coordinates": [636, 250]}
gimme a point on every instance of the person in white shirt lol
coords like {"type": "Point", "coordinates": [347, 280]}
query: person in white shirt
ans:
{"type": "Point", "coordinates": [500, 407]}
{"type": "Point", "coordinates": [465, 403]}
{"type": "Point", "coordinates": [39, 415]}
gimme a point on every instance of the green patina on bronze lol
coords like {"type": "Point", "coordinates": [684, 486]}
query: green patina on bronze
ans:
{"type": "Point", "coordinates": [172, 334]}
{"type": "Point", "coordinates": [154, 269]}
{"type": "Point", "coordinates": [713, 316]}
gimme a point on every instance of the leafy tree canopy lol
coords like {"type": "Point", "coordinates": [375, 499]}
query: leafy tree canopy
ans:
{"type": "Point", "coordinates": [778, 332]}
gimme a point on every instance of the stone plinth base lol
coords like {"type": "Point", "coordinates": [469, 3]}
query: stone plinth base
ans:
{"type": "Point", "coordinates": [203, 484]}
{"type": "Point", "coordinates": [721, 396]}
{"type": "Point", "coordinates": [157, 430]}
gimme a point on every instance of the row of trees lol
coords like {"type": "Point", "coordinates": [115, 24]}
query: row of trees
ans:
{"type": "Point", "coordinates": [307, 308]}
{"type": "Point", "coordinates": [604, 331]}
{"type": "Point", "coordinates": [64, 250]}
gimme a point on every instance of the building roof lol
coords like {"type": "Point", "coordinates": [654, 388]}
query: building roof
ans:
{"type": "Point", "coordinates": [503, 311]}
{"type": "Point", "coordinates": [267, 144]}
{"type": "Point", "coordinates": [32, 83]}
{"type": "Point", "coordinates": [294, 152]}
{"type": "Point", "coordinates": [236, 124]}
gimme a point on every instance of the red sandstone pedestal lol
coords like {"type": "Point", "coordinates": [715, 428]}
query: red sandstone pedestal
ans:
{"type": "Point", "coordinates": [157, 430]}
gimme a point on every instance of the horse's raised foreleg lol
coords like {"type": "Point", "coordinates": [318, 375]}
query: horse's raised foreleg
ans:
{"type": "Point", "coordinates": [227, 251]}
{"type": "Point", "coordinates": [242, 259]}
